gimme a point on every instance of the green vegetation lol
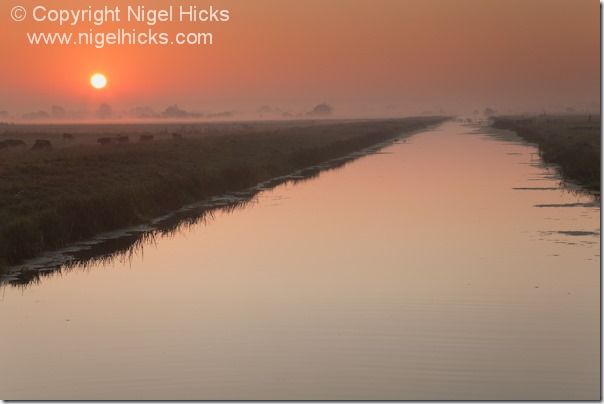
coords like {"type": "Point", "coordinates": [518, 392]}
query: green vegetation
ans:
{"type": "Point", "coordinates": [572, 142]}
{"type": "Point", "coordinates": [53, 197]}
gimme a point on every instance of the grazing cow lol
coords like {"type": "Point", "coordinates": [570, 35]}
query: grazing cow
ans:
{"type": "Point", "coordinates": [146, 138]}
{"type": "Point", "coordinates": [67, 136]}
{"type": "Point", "coordinates": [123, 139]}
{"type": "Point", "coordinates": [104, 140]}
{"type": "Point", "coordinates": [42, 144]}
{"type": "Point", "coordinates": [11, 143]}
{"type": "Point", "coordinates": [176, 136]}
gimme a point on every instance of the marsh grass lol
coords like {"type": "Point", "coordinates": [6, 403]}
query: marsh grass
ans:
{"type": "Point", "coordinates": [572, 142]}
{"type": "Point", "coordinates": [52, 198]}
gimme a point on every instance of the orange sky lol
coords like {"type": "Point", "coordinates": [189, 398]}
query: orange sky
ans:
{"type": "Point", "coordinates": [364, 57]}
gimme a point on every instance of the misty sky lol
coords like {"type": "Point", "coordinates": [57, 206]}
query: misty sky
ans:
{"type": "Point", "coordinates": [363, 57]}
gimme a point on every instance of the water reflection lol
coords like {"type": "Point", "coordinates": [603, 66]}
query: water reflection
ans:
{"type": "Point", "coordinates": [419, 273]}
{"type": "Point", "coordinates": [124, 244]}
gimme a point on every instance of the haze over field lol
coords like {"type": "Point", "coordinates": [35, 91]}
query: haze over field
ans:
{"type": "Point", "coordinates": [284, 59]}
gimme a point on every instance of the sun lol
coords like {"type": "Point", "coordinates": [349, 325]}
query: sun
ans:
{"type": "Point", "coordinates": [98, 81]}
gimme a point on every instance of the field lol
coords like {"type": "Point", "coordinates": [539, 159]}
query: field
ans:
{"type": "Point", "coordinates": [51, 197]}
{"type": "Point", "coordinates": [572, 142]}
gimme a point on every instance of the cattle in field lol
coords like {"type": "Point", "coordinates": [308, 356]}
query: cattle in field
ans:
{"type": "Point", "coordinates": [146, 138]}
{"type": "Point", "coordinates": [11, 143]}
{"type": "Point", "coordinates": [42, 144]}
{"type": "Point", "coordinates": [104, 141]}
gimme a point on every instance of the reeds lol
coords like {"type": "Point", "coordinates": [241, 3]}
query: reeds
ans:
{"type": "Point", "coordinates": [572, 142]}
{"type": "Point", "coordinates": [50, 199]}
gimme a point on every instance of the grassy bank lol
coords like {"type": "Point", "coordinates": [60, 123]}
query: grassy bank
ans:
{"type": "Point", "coordinates": [53, 197]}
{"type": "Point", "coordinates": [572, 142]}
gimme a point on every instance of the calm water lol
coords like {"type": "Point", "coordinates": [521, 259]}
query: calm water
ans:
{"type": "Point", "coordinates": [451, 266]}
